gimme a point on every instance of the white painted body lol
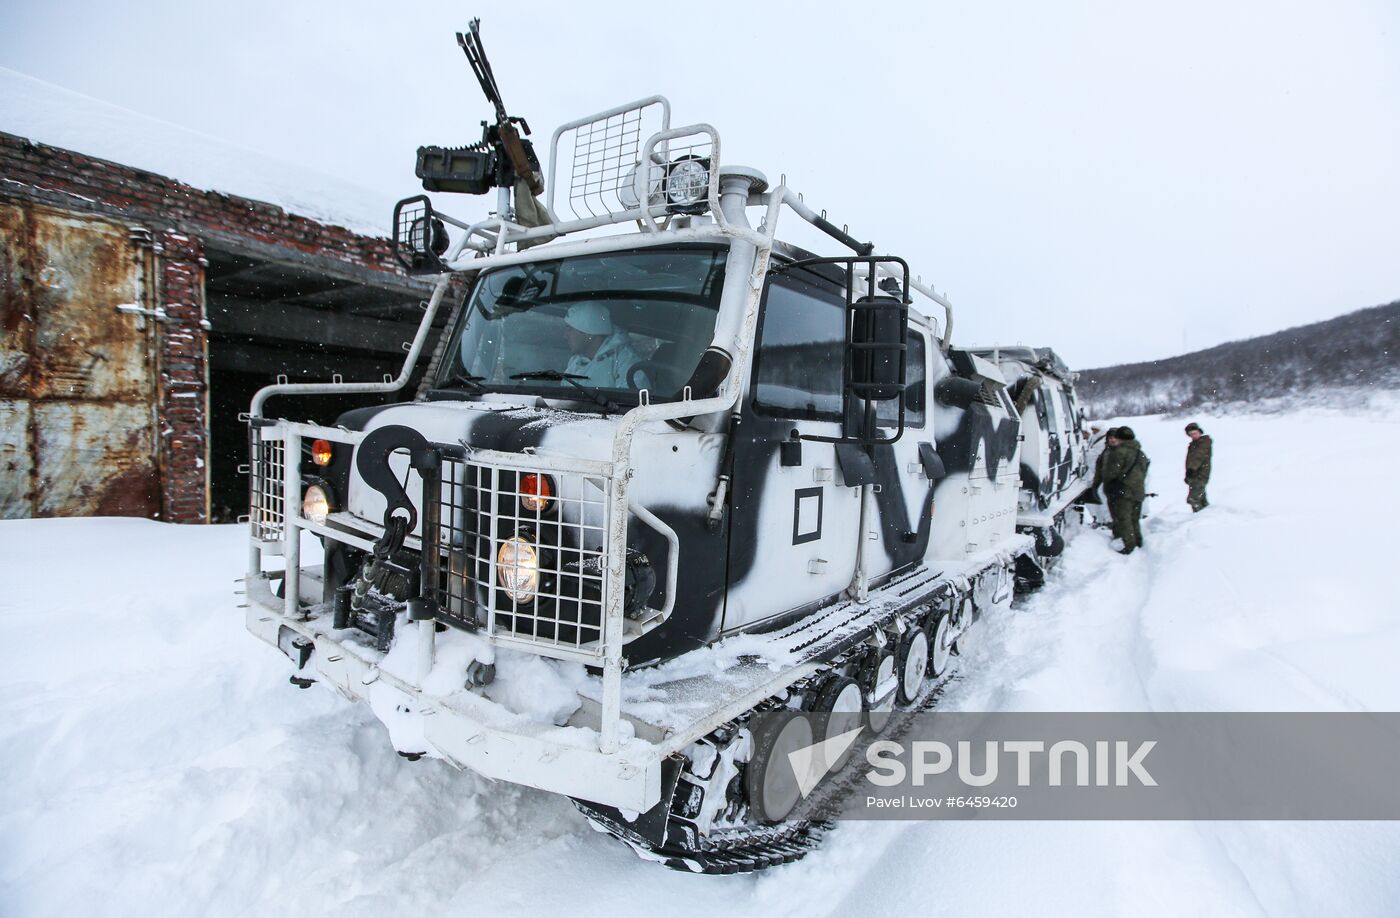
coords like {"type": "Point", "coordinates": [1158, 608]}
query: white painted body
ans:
{"type": "Point", "coordinates": [731, 555]}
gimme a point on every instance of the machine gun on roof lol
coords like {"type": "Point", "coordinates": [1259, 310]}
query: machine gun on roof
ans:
{"type": "Point", "coordinates": [500, 158]}
{"type": "Point", "coordinates": [519, 152]}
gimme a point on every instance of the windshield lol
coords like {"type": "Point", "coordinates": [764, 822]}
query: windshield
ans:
{"type": "Point", "coordinates": [613, 323]}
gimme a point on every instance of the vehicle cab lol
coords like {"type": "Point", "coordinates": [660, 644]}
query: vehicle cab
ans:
{"type": "Point", "coordinates": [649, 427]}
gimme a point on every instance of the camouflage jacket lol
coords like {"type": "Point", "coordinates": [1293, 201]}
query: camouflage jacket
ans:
{"type": "Point", "coordinates": [1198, 459]}
{"type": "Point", "coordinates": [1125, 471]}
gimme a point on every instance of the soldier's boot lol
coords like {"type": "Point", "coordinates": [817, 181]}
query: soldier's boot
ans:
{"type": "Point", "coordinates": [1135, 523]}
{"type": "Point", "coordinates": [1126, 524]}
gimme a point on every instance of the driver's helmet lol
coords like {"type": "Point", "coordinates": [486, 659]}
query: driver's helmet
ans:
{"type": "Point", "coordinates": [589, 318]}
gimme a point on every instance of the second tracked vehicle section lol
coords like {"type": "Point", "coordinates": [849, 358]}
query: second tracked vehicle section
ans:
{"type": "Point", "coordinates": [1056, 463]}
{"type": "Point", "coordinates": [667, 473]}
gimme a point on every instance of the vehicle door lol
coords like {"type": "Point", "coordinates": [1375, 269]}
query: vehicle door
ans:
{"type": "Point", "coordinates": [795, 521]}
{"type": "Point", "coordinates": [1073, 441]}
{"type": "Point", "coordinates": [897, 532]}
{"type": "Point", "coordinates": [1055, 467]}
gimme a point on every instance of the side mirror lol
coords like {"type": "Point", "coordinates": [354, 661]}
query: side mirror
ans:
{"type": "Point", "coordinates": [878, 341]}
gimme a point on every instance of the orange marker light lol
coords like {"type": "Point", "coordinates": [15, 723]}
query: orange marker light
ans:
{"type": "Point", "coordinates": [321, 452]}
{"type": "Point", "coordinates": [536, 492]}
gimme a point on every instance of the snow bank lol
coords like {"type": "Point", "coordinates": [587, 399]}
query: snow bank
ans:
{"type": "Point", "coordinates": [157, 761]}
{"type": "Point", "coordinates": [59, 117]}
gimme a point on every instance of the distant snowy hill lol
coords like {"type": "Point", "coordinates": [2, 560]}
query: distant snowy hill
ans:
{"type": "Point", "coordinates": [1341, 361]}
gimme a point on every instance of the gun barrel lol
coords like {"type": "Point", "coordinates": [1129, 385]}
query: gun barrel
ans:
{"type": "Point", "coordinates": [476, 56]}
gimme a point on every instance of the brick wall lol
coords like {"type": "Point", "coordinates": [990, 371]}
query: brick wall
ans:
{"type": "Point", "coordinates": [183, 399]}
{"type": "Point", "coordinates": [179, 217]}
{"type": "Point", "coordinates": [100, 186]}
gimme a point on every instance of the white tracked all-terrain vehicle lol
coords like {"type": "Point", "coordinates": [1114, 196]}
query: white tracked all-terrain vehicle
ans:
{"type": "Point", "coordinates": [665, 472]}
{"type": "Point", "coordinates": [1056, 457]}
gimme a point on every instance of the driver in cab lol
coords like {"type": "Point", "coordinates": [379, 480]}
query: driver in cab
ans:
{"type": "Point", "coordinates": [600, 354]}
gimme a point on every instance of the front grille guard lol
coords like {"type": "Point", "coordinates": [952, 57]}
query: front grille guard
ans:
{"type": "Point", "coordinates": [578, 534]}
{"type": "Point", "coordinates": [522, 566]}
{"type": "Point", "coordinates": [265, 473]}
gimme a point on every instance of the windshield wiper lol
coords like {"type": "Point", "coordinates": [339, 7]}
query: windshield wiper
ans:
{"type": "Point", "coordinates": [467, 381]}
{"type": "Point", "coordinates": [572, 379]}
{"type": "Point", "coordinates": [460, 381]}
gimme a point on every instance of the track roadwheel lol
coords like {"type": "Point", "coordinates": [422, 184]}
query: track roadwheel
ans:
{"type": "Point", "coordinates": [911, 662]}
{"type": "Point", "coordinates": [839, 707]}
{"type": "Point", "coordinates": [880, 688]}
{"type": "Point", "coordinates": [942, 644]}
{"type": "Point", "coordinates": [964, 643]}
{"type": "Point", "coordinates": [769, 779]}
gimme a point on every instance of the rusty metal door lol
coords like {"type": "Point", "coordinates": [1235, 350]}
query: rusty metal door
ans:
{"type": "Point", "coordinates": [77, 376]}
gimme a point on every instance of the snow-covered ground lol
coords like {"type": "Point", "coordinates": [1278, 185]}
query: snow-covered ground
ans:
{"type": "Point", "coordinates": [156, 761]}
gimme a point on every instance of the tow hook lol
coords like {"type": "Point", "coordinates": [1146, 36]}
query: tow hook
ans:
{"type": "Point", "coordinates": [298, 649]}
{"type": "Point", "coordinates": [480, 674]}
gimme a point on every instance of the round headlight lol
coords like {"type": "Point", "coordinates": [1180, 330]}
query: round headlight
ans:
{"type": "Point", "coordinates": [316, 504]}
{"type": "Point", "coordinates": [627, 190]}
{"type": "Point", "coordinates": [424, 236]}
{"type": "Point", "coordinates": [687, 181]}
{"type": "Point", "coordinates": [418, 235]}
{"type": "Point", "coordinates": [321, 452]}
{"type": "Point", "coordinates": [518, 569]}
{"type": "Point", "coordinates": [536, 492]}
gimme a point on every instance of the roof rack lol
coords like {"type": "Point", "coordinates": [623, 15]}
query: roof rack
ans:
{"type": "Point", "coordinates": [1043, 358]}
{"type": "Point", "coordinates": [616, 176]}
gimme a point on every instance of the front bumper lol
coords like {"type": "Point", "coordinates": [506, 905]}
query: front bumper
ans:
{"type": "Point", "coordinates": [466, 728]}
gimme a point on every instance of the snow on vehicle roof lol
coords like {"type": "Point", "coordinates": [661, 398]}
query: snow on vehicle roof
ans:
{"type": "Point", "coordinates": [58, 117]}
{"type": "Point", "coordinates": [1043, 357]}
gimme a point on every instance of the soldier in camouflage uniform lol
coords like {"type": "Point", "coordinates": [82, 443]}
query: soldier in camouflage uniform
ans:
{"type": "Point", "coordinates": [1125, 485]}
{"type": "Point", "coordinates": [1197, 467]}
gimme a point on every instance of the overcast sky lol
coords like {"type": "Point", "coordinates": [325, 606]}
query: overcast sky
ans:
{"type": "Point", "coordinates": [1121, 181]}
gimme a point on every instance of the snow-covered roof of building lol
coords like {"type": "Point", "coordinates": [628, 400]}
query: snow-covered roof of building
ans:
{"type": "Point", "coordinates": [58, 117]}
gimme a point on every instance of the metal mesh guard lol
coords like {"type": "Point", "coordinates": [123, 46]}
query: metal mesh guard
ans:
{"type": "Point", "coordinates": [604, 154]}
{"type": "Point", "coordinates": [267, 510]}
{"type": "Point", "coordinates": [414, 235]}
{"type": "Point", "coordinates": [698, 147]}
{"type": "Point", "coordinates": [484, 510]}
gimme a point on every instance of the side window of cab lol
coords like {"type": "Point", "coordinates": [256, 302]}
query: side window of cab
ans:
{"type": "Point", "coordinates": [801, 357]}
{"type": "Point", "coordinates": [801, 351]}
{"type": "Point", "coordinates": [915, 386]}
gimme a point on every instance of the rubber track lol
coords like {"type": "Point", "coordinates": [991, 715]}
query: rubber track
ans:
{"type": "Point", "coordinates": [749, 848]}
